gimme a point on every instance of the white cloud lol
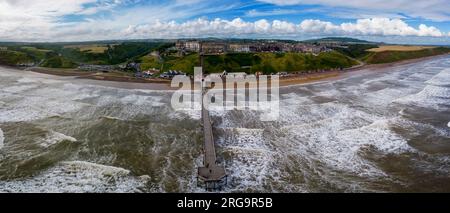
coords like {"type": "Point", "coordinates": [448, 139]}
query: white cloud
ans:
{"type": "Point", "coordinates": [239, 27]}
{"type": "Point", "coordinates": [429, 9]}
{"type": "Point", "coordinates": [23, 19]}
{"type": "Point", "coordinates": [42, 20]}
{"type": "Point", "coordinates": [388, 27]}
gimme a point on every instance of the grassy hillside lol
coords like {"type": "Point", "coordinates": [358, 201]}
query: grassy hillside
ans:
{"type": "Point", "coordinates": [185, 64]}
{"type": "Point", "coordinates": [58, 62]}
{"type": "Point", "coordinates": [107, 54]}
{"type": "Point", "coordinates": [13, 58]}
{"type": "Point", "coordinates": [340, 40]}
{"type": "Point", "coordinates": [59, 55]}
{"type": "Point", "coordinates": [35, 53]}
{"type": "Point", "coordinates": [293, 62]}
{"type": "Point", "coordinates": [150, 62]}
{"type": "Point", "coordinates": [276, 62]}
{"type": "Point", "coordinates": [394, 56]}
{"type": "Point", "coordinates": [251, 62]}
{"type": "Point", "coordinates": [357, 51]}
{"type": "Point", "coordinates": [240, 62]}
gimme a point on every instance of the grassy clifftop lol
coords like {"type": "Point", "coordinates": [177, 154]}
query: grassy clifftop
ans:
{"type": "Point", "coordinates": [251, 62]}
{"type": "Point", "coordinates": [61, 55]}
{"type": "Point", "coordinates": [13, 58]}
{"type": "Point", "coordinates": [394, 56]}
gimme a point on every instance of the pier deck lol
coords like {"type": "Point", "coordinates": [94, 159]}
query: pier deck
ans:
{"type": "Point", "coordinates": [213, 175]}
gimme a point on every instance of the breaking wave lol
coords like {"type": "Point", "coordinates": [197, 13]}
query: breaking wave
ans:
{"type": "Point", "coordinates": [2, 138]}
{"type": "Point", "coordinates": [78, 177]}
{"type": "Point", "coordinates": [53, 138]}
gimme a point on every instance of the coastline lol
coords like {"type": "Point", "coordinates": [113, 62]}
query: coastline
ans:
{"type": "Point", "coordinates": [94, 76]}
{"type": "Point", "coordinates": [113, 79]}
{"type": "Point", "coordinates": [336, 75]}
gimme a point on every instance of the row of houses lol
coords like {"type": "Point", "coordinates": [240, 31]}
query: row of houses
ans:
{"type": "Point", "coordinates": [96, 68]}
{"type": "Point", "coordinates": [171, 73]}
{"type": "Point", "coordinates": [266, 46]}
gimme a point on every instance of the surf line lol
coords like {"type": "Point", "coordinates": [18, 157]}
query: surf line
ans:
{"type": "Point", "coordinates": [2, 138]}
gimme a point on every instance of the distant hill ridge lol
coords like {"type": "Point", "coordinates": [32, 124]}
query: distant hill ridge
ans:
{"type": "Point", "coordinates": [342, 40]}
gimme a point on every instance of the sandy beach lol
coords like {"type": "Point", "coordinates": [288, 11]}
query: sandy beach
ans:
{"type": "Point", "coordinates": [116, 79]}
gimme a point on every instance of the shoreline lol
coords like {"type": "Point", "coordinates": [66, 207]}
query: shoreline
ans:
{"type": "Point", "coordinates": [109, 79]}
{"type": "Point", "coordinates": [335, 75]}
{"type": "Point", "coordinates": [99, 76]}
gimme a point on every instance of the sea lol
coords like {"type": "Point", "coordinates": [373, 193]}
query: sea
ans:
{"type": "Point", "coordinates": [375, 130]}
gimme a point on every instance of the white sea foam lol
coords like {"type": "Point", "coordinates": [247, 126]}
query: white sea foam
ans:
{"type": "Point", "coordinates": [78, 177]}
{"type": "Point", "coordinates": [293, 99]}
{"type": "Point", "coordinates": [39, 80]}
{"type": "Point", "coordinates": [35, 107]}
{"type": "Point", "coordinates": [338, 139]}
{"type": "Point", "coordinates": [2, 138]}
{"type": "Point", "coordinates": [252, 158]}
{"type": "Point", "coordinates": [385, 96]}
{"type": "Point", "coordinates": [19, 88]}
{"type": "Point", "coordinates": [53, 138]}
{"type": "Point", "coordinates": [430, 97]}
{"type": "Point", "coordinates": [441, 79]}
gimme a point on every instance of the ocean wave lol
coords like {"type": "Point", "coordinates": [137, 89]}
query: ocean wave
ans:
{"type": "Point", "coordinates": [441, 79]}
{"type": "Point", "coordinates": [431, 96]}
{"type": "Point", "coordinates": [112, 118]}
{"type": "Point", "coordinates": [338, 140]}
{"type": "Point", "coordinates": [53, 138]}
{"type": "Point", "coordinates": [19, 88]}
{"type": "Point", "coordinates": [2, 138]}
{"type": "Point", "coordinates": [78, 177]}
{"type": "Point", "coordinates": [252, 157]}
{"type": "Point", "coordinates": [34, 108]}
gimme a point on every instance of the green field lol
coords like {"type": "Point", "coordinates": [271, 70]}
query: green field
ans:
{"type": "Point", "coordinates": [89, 48]}
{"type": "Point", "coordinates": [394, 56]}
{"type": "Point", "coordinates": [150, 62]}
{"type": "Point", "coordinates": [58, 62]}
{"type": "Point", "coordinates": [357, 51]}
{"type": "Point", "coordinates": [13, 58]}
{"type": "Point", "coordinates": [57, 55]}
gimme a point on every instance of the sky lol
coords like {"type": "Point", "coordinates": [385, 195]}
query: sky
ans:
{"type": "Point", "coordinates": [391, 21]}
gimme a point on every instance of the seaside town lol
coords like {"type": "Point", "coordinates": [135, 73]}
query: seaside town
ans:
{"type": "Point", "coordinates": [220, 103]}
{"type": "Point", "coordinates": [215, 47]}
{"type": "Point", "coordinates": [205, 48]}
{"type": "Point", "coordinates": [161, 60]}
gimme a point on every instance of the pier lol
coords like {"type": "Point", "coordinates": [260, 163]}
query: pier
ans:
{"type": "Point", "coordinates": [212, 175]}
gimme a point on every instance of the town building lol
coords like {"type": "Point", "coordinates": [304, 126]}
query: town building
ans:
{"type": "Point", "coordinates": [213, 48]}
{"type": "Point", "coordinates": [190, 46]}
{"type": "Point", "coordinates": [239, 48]}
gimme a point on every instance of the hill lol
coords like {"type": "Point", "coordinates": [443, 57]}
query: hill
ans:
{"type": "Point", "coordinates": [14, 58]}
{"type": "Point", "coordinates": [339, 40]}
{"type": "Point", "coordinates": [69, 55]}
{"type": "Point", "coordinates": [394, 56]}
{"type": "Point", "coordinates": [251, 62]}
